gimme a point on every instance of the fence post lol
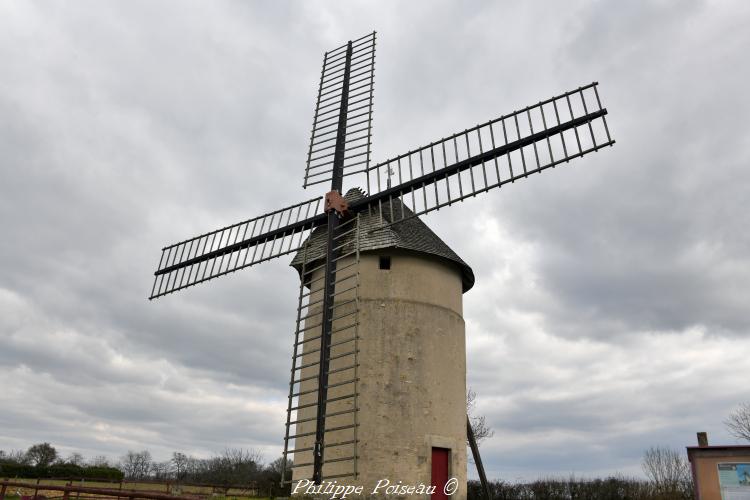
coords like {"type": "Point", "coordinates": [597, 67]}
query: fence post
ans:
{"type": "Point", "coordinates": [2, 492]}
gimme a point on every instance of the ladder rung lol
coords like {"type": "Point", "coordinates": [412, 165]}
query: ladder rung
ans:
{"type": "Point", "coordinates": [341, 279]}
{"type": "Point", "coordinates": [308, 340]}
{"type": "Point", "coordinates": [339, 443]}
{"type": "Point", "coordinates": [339, 269]}
{"type": "Point", "coordinates": [329, 359]}
{"type": "Point", "coordinates": [321, 266]}
{"type": "Point", "coordinates": [300, 465]}
{"type": "Point", "coordinates": [342, 459]}
{"type": "Point", "coordinates": [339, 398]}
{"type": "Point", "coordinates": [342, 328]}
{"type": "Point", "coordinates": [303, 434]}
{"type": "Point", "coordinates": [311, 352]}
{"type": "Point", "coordinates": [329, 372]}
{"type": "Point", "coordinates": [337, 384]}
{"type": "Point", "coordinates": [346, 223]}
{"type": "Point", "coordinates": [343, 256]}
{"type": "Point", "coordinates": [299, 450]}
{"type": "Point", "coordinates": [326, 446]}
{"type": "Point", "coordinates": [310, 315]}
{"type": "Point", "coordinates": [309, 405]}
{"type": "Point", "coordinates": [336, 413]}
{"type": "Point", "coordinates": [341, 428]}
{"type": "Point", "coordinates": [350, 474]}
{"type": "Point", "coordinates": [343, 368]}
{"type": "Point", "coordinates": [345, 303]}
{"type": "Point", "coordinates": [344, 315]}
{"type": "Point", "coordinates": [345, 341]}
{"type": "Point", "coordinates": [344, 291]}
{"type": "Point", "coordinates": [341, 235]}
{"type": "Point", "coordinates": [302, 393]}
{"type": "Point", "coordinates": [317, 337]}
{"type": "Point", "coordinates": [332, 429]}
{"type": "Point", "coordinates": [343, 355]}
{"type": "Point", "coordinates": [300, 367]}
{"type": "Point", "coordinates": [303, 379]}
{"type": "Point", "coordinates": [309, 327]}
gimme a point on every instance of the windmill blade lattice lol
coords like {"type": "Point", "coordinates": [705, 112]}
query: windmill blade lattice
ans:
{"type": "Point", "coordinates": [234, 247]}
{"type": "Point", "coordinates": [444, 172]}
{"type": "Point", "coordinates": [354, 83]}
{"type": "Point", "coordinates": [332, 402]}
{"type": "Point", "coordinates": [489, 155]}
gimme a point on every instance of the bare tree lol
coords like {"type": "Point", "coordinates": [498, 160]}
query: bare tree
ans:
{"type": "Point", "coordinates": [478, 423]}
{"type": "Point", "coordinates": [136, 465]}
{"type": "Point", "coordinates": [276, 466]}
{"type": "Point", "coordinates": [239, 457]}
{"type": "Point", "coordinates": [667, 469]}
{"type": "Point", "coordinates": [76, 458]}
{"type": "Point", "coordinates": [17, 457]}
{"type": "Point", "coordinates": [41, 454]}
{"type": "Point", "coordinates": [161, 470]}
{"type": "Point", "coordinates": [180, 463]}
{"type": "Point", "coordinates": [237, 464]}
{"type": "Point", "coordinates": [738, 423]}
{"type": "Point", "coordinates": [99, 461]}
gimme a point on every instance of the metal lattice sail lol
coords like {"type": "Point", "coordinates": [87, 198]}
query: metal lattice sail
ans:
{"type": "Point", "coordinates": [336, 400]}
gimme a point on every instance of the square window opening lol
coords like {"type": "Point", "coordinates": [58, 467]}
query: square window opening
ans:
{"type": "Point", "coordinates": [385, 262]}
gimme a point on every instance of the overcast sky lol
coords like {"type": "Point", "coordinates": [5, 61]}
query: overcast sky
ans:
{"type": "Point", "coordinates": [610, 312]}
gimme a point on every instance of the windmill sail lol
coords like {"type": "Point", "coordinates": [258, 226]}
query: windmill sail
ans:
{"type": "Point", "coordinates": [489, 155]}
{"type": "Point", "coordinates": [235, 247]}
{"type": "Point", "coordinates": [324, 375]}
{"type": "Point", "coordinates": [345, 94]}
{"type": "Point", "coordinates": [447, 171]}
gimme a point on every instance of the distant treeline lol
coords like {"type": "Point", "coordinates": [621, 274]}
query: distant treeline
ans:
{"type": "Point", "coordinates": [11, 470]}
{"type": "Point", "coordinates": [612, 488]}
{"type": "Point", "coordinates": [233, 467]}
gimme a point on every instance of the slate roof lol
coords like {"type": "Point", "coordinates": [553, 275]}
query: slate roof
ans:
{"type": "Point", "coordinates": [411, 234]}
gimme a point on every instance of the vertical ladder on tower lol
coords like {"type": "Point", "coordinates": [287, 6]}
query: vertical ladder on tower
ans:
{"type": "Point", "coordinates": [341, 402]}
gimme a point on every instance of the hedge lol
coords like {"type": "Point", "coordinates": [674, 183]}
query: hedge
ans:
{"type": "Point", "coordinates": [59, 471]}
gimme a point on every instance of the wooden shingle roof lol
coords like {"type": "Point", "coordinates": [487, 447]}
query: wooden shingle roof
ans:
{"type": "Point", "coordinates": [411, 235]}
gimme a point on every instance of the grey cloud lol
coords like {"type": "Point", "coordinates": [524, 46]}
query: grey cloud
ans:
{"type": "Point", "coordinates": [607, 291]}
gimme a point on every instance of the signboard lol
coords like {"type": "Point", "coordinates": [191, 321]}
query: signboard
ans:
{"type": "Point", "coordinates": [734, 481]}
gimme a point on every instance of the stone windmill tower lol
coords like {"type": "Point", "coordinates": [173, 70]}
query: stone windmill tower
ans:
{"type": "Point", "coordinates": [378, 370]}
{"type": "Point", "coordinates": [411, 387]}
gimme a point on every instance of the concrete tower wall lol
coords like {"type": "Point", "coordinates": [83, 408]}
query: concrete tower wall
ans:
{"type": "Point", "coordinates": [412, 373]}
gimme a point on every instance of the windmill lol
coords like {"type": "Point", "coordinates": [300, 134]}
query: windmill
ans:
{"type": "Point", "coordinates": [335, 417]}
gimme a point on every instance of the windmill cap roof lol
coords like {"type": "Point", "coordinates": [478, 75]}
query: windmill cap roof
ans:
{"type": "Point", "coordinates": [411, 234]}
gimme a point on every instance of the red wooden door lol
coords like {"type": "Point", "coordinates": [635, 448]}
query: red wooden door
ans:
{"type": "Point", "coordinates": [440, 458]}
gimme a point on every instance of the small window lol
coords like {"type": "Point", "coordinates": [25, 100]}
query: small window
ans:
{"type": "Point", "coordinates": [385, 262]}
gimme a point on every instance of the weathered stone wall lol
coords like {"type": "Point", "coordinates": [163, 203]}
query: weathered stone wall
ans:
{"type": "Point", "coordinates": [412, 388]}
